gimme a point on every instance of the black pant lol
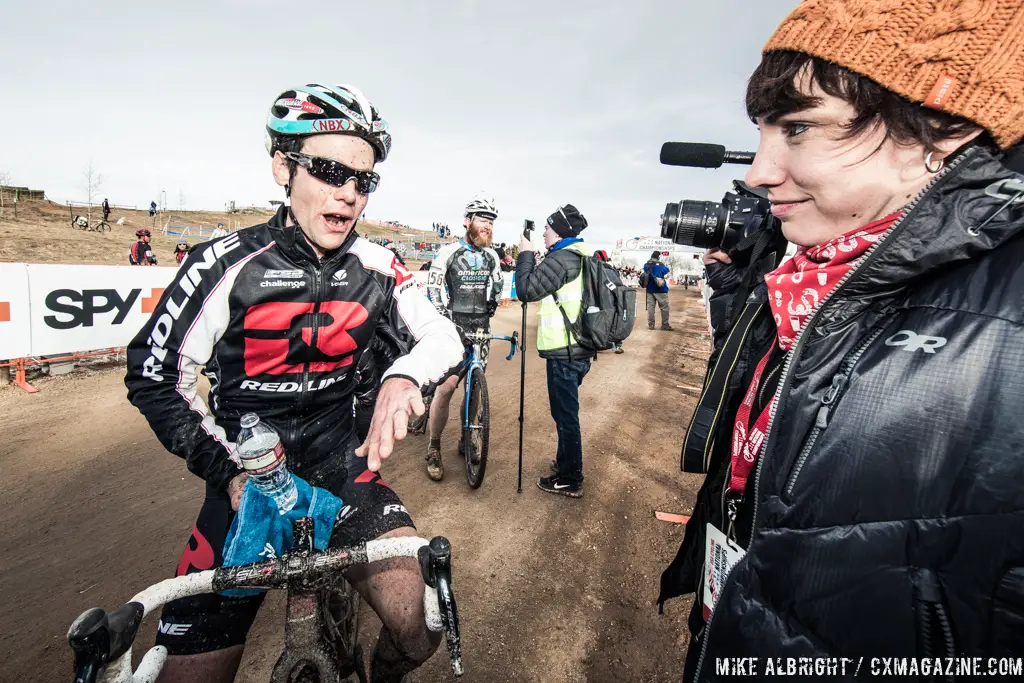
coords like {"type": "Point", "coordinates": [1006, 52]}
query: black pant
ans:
{"type": "Point", "coordinates": [564, 380]}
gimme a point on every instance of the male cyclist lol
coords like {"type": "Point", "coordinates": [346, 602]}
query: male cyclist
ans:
{"type": "Point", "coordinates": [464, 283]}
{"type": "Point", "coordinates": [278, 316]}
{"type": "Point", "coordinates": [141, 254]}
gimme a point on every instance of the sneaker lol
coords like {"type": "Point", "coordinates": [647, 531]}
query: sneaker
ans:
{"type": "Point", "coordinates": [563, 487]}
{"type": "Point", "coordinates": [666, 327]}
{"type": "Point", "coordinates": [434, 468]}
{"type": "Point", "coordinates": [619, 349]}
{"type": "Point", "coordinates": [650, 326]}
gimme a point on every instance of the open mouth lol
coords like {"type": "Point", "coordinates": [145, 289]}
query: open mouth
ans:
{"type": "Point", "coordinates": [336, 221]}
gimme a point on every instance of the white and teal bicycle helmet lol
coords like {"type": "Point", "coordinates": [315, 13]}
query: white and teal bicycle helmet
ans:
{"type": "Point", "coordinates": [316, 109]}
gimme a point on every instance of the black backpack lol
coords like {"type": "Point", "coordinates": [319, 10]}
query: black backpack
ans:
{"type": "Point", "coordinates": [608, 308]}
{"type": "Point", "coordinates": [645, 278]}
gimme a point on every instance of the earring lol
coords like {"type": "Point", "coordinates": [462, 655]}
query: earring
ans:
{"type": "Point", "coordinates": [928, 164]}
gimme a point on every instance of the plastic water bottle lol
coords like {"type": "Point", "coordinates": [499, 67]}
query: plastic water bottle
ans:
{"type": "Point", "coordinates": [262, 455]}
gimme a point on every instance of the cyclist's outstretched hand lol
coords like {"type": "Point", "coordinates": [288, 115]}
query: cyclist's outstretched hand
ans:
{"type": "Point", "coordinates": [398, 399]}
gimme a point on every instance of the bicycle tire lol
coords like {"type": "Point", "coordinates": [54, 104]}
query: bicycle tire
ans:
{"type": "Point", "coordinates": [340, 611]}
{"type": "Point", "coordinates": [103, 226]}
{"type": "Point", "coordinates": [477, 434]}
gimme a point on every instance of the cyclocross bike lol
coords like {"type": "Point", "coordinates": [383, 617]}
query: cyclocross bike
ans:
{"type": "Point", "coordinates": [476, 411]}
{"type": "Point", "coordinates": [82, 223]}
{"type": "Point", "coordinates": [321, 627]}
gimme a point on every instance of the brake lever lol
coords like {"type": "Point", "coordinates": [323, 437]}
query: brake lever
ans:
{"type": "Point", "coordinates": [98, 638]}
{"type": "Point", "coordinates": [440, 560]}
{"type": "Point", "coordinates": [514, 344]}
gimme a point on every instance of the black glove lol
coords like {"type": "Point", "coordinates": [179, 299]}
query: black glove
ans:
{"type": "Point", "coordinates": [492, 306]}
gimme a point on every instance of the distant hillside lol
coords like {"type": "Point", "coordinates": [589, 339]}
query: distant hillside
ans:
{"type": "Point", "coordinates": [42, 233]}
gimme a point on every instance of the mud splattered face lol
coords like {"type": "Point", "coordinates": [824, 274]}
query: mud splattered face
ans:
{"type": "Point", "coordinates": [326, 214]}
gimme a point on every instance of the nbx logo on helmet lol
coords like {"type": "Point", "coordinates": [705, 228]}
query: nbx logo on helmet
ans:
{"type": "Point", "coordinates": [83, 306]}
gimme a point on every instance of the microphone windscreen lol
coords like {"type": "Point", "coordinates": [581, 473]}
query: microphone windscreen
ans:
{"type": "Point", "coordinates": [699, 154]}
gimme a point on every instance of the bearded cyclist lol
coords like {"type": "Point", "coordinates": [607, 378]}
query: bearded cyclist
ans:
{"type": "Point", "coordinates": [464, 283]}
{"type": "Point", "coordinates": [278, 316]}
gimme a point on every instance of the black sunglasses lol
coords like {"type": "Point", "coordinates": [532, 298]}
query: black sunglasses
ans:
{"type": "Point", "coordinates": [335, 173]}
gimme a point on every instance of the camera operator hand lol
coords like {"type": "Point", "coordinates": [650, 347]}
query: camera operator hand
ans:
{"type": "Point", "coordinates": [712, 255]}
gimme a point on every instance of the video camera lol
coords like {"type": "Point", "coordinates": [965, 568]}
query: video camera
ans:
{"type": "Point", "coordinates": [742, 213]}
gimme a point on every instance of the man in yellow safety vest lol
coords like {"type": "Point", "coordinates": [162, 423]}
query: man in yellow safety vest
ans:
{"type": "Point", "coordinates": [557, 281]}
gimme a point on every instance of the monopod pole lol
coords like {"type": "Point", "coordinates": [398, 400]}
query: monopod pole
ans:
{"type": "Point", "coordinates": [522, 387]}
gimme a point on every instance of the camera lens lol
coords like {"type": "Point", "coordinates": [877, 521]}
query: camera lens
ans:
{"type": "Point", "coordinates": [695, 224]}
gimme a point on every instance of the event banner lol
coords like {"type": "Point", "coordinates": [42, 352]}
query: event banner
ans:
{"type": "Point", "coordinates": [15, 339]}
{"type": "Point", "coordinates": [82, 308]}
{"type": "Point", "coordinates": [63, 309]}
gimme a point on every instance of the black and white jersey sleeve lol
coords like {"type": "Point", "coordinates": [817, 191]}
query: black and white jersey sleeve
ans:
{"type": "Point", "coordinates": [179, 337]}
{"type": "Point", "coordinates": [433, 342]}
{"type": "Point", "coordinates": [437, 277]}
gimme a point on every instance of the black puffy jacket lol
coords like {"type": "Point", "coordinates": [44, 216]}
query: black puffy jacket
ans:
{"type": "Point", "coordinates": [887, 507]}
{"type": "Point", "coordinates": [278, 332]}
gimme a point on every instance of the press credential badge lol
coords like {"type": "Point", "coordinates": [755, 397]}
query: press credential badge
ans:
{"type": "Point", "coordinates": [720, 554]}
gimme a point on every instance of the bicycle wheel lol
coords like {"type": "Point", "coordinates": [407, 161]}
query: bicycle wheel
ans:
{"type": "Point", "coordinates": [103, 226]}
{"type": "Point", "coordinates": [477, 434]}
{"type": "Point", "coordinates": [340, 610]}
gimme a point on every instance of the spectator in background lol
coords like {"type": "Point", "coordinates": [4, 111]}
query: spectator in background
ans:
{"type": "Point", "coordinates": [500, 251]}
{"type": "Point", "coordinates": [657, 290]}
{"type": "Point", "coordinates": [152, 209]}
{"type": "Point", "coordinates": [106, 209]}
{"type": "Point", "coordinates": [141, 254]}
{"type": "Point", "coordinates": [180, 251]}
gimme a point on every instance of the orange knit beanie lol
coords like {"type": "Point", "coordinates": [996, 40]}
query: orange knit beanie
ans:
{"type": "Point", "coordinates": [964, 57]}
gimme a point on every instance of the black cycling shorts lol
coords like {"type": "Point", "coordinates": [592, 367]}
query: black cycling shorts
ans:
{"type": "Point", "coordinates": [204, 623]}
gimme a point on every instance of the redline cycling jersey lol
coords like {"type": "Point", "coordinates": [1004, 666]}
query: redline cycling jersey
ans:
{"type": "Point", "coordinates": [465, 283]}
{"type": "Point", "coordinates": [279, 332]}
{"type": "Point", "coordinates": [141, 254]}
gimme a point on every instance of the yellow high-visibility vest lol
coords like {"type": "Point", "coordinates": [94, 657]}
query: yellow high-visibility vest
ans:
{"type": "Point", "coordinates": [551, 332]}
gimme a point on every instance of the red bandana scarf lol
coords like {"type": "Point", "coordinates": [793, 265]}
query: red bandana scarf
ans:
{"type": "Point", "coordinates": [796, 287]}
{"type": "Point", "coordinates": [795, 290]}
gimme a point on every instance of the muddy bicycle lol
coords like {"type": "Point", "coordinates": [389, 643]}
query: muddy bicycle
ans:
{"type": "Point", "coordinates": [321, 627]}
{"type": "Point", "coordinates": [82, 223]}
{"type": "Point", "coordinates": [476, 409]}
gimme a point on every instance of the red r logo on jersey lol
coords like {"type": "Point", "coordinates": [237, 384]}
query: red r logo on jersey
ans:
{"type": "Point", "coordinates": [271, 347]}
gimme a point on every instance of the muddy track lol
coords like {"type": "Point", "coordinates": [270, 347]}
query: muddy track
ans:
{"type": "Point", "coordinates": [549, 588]}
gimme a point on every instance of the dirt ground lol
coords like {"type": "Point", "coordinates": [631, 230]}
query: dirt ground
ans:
{"type": "Point", "coordinates": [549, 589]}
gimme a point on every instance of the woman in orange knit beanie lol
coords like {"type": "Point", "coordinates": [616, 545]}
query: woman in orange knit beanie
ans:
{"type": "Point", "coordinates": [864, 495]}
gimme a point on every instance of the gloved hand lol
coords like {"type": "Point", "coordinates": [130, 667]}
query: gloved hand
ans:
{"type": "Point", "coordinates": [492, 306]}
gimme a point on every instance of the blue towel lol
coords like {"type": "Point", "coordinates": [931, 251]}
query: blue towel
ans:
{"type": "Point", "coordinates": [260, 532]}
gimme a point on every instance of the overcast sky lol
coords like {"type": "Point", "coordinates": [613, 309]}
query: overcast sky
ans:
{"type": "Point", "coordinates": [539, 103]}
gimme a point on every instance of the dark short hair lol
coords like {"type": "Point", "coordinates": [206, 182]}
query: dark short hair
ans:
{"type": "Point", "coordinates": [656, 255]}
{"type": "Point", "coordinates": [772, 92]}
{"type": "Point", "coordinates": [289, 143]}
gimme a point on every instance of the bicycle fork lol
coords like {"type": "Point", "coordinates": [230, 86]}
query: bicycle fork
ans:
{"type": "Point", "coordinates": [305, 646]}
